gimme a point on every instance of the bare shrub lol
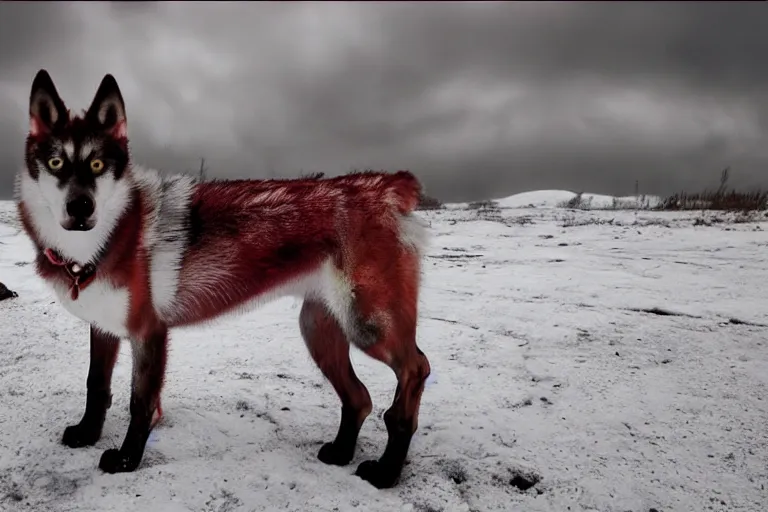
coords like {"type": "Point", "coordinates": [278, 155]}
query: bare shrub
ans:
{"type": "Point", "coordinates": [636, 203]}
{"type": "Point", "coordinates": [720, 199]}
{"type": "Point", "coordinates": [732, 201]}
{"type": "Point", "coordinates": [485, 205]}
{"type": "Point", "coordinates": [577, 202]}
{"type": "Point", "coordinates": [429, 203]}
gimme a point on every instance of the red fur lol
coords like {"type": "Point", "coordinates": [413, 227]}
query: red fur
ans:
{"type": "Point", "coordinates": [247, 238]}
{"type": "Point", "coordinates": [283, 236]}
{"type": "Point", "coordinates": [250, 236]}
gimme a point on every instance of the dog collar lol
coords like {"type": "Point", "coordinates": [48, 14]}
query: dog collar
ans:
{"type": "Point", "coordinates": [80, 276]}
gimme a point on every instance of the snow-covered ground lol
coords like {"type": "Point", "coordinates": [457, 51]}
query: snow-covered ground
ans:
{"type": "Point", "coordinates": [552, 356]}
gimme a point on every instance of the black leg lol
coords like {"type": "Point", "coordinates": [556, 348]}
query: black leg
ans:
{"type": "Point", "coordinates": [401, 420]}
{"type": "Point", "coordinates": [340, 451]}
{"type": "Point", "coordinates": [330, 350]}
{"type": "Point", "coordinates": [104, 349]}
{"type": "Point", "coordinates": [149, 357]}
{"type": "Point", "coordinates": [385, 472]}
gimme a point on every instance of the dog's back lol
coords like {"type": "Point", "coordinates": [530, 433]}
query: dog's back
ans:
{"type": "Point", "coordinates": [250, 239]}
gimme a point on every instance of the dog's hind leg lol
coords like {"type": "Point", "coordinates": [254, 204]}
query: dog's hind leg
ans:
{"type": "Point", "coordinates": [104, 349]}
{"type": "Point", "coordinates": [393, 298]}
{"type": "Point", "coordinates": [330, 350]}
{"type": "Point", "coordinates": [412, 369]}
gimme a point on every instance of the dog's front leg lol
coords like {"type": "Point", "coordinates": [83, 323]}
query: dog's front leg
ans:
{"type": "Point", "coordinates": [149, 355]}
{"type": "Point", "coordinates": [104, 348]}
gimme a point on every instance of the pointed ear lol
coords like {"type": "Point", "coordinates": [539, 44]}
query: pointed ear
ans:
{"type": "Point", "coordinates": [46, 109]}
{"type": "Point", "coordinates": [108, 109]}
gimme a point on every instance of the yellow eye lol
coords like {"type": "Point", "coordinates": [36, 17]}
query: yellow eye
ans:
{"type": "Point", "coordinates": [97, 166]}
{"type": "Point", "coordinates": [55, 163]}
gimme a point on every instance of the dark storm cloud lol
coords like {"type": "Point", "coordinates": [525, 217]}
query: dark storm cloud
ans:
{"type": "Point", "coordinates": [479, 98]}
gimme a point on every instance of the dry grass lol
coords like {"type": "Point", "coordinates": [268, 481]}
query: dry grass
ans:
{"type": "Point", "coordinates": [579, 202]}
{"type": "Point", "coordinates": [485, 205]}
{"type": "Point", "coordinates": [721, 199]}
{"type": "Point", "coordinates": [725, 201]}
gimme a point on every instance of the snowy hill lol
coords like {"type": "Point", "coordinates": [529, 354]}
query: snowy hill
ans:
{"type": "Point", "coordinates": [536, 198]}
{"type": "Point", "coordinates": [618, 365]}
{"type": "Point", "coordinates": [556, 198]}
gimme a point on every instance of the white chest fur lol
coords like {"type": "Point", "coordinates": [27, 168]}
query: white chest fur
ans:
{"type": "Point", "coordinates": [100, 304]}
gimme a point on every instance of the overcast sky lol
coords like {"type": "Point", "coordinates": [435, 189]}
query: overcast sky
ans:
{"type": "Point", "coordinates": [481, 99]}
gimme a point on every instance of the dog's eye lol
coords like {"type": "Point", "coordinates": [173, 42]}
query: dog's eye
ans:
{"type": "Point", "coordinates": [97, 166]}
{"type": "Point", "coordinates": [55, 163]}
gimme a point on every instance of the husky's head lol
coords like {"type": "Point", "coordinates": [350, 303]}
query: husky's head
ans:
{"type": "Point", "coordinates": [73, 183]}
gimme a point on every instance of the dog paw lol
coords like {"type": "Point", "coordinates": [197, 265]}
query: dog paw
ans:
{"type": "Point", "coordinates": [77, 436]}
{"type": "Point", "coordinates": [381, 476]}
{"type": "Point", "coordinates": [334, 455]}
{"type": "Point", "coordinates": [114, 461]}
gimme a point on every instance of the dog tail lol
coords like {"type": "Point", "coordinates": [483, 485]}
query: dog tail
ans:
{"type": "Point", "coordinates": [404, 191]}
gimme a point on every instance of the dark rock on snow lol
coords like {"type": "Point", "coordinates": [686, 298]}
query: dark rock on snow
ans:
{"type": "Point", "coordinates": [5, 293]}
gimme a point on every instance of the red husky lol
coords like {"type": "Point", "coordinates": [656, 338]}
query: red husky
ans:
{"type": "Point", "coordinates": [134, 253]}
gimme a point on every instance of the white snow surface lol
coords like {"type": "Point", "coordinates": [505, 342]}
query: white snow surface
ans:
{"type": "Point", "coordinates": [543, 365]}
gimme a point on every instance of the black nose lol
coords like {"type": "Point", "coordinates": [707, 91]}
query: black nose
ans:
{"type": "Point", "coordinates": [80, 207]}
